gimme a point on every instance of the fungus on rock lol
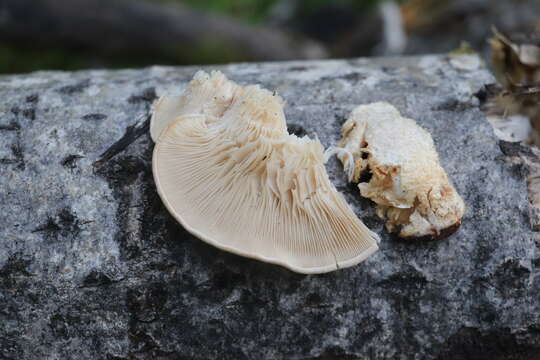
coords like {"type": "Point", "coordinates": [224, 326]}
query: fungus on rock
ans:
{"type": "Point", "coordinates": [408, 184]}
{"type": "Point", "coordinates": [230, 173]}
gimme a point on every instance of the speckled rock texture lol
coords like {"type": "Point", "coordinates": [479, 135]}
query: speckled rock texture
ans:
{"type": "Point", "coordinates": [93, 267]}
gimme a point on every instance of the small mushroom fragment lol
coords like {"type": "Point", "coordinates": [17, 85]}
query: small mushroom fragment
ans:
{"type": "Point", "coordinates": [229, 172]}
{"type": "Point", "coordinates": [409, 186]}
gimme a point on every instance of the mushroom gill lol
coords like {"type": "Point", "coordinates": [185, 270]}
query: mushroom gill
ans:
{"type": "Point", "coordinates": [240, 182]}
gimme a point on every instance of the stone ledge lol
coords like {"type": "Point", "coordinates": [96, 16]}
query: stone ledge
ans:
{"type": "Point", "coordinates": [92, 264]}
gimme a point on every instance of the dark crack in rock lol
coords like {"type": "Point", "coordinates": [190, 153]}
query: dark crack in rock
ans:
{"type": "Point", "coordinates": [148, 95]}
{"type": "Point", "coordinates": [70, 161]}
{"type": "Point", "coordinates": [94, 116]}
{"type": "Point", "coordinates": [93, 266]}
{"type": "Point", "coordinates": [73, 89]}
{"type": "Point", "coordinates": [498, 344]}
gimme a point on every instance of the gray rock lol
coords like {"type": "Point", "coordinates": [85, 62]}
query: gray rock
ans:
{"type": "Point", "coordinates": [93, 267]}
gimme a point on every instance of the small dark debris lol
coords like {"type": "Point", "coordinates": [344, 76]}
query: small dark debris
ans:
{"type": "Point", "coordinates": [372, 221]}
{"type": "Point", "coordinates": [49, 227]}
{"type": "Point", "coordinates": [340, 118]}
{"type": "Point", "coordinates": [518, 171]}
{"type": "Point", "coordinates": [147, 96]}
{"type": "Point", "coordinates": [298, 68]}
{"type": "Point", "coordinates": [487, 92]}
{"type": "Point", "coordinates": [522, 90]}
{"type": "Point", "coordinates": [12, 126]}
{"type": "Point", "coordinates": [354, 77]}
{"type": "Point", "coordinates": [32, 99]}
{"type": "Point", "coordinates": [365, 176]}
{"type": "Point", "coordinates": [405, 280]}
{"type": "Point", "coordinates": [67, 219]}
{"type": "Point", "coordinates": [512, 271]}
{"type": "Point", "coordinates": [499, 344]}
{"type": "Point", "coordinates": [18, 157]}
{"type": "Point", "coordinates": [15, 265]}
{"type": "Point", "coordinates": [296, 130]}
{"type": "Point", "coordinates": [132, 133]}
{"type": "Point", "coordinates": [17, 151]}
{"type": "Point", "coordinates": [95, 116]}
{"type": "Point", "coordinates": [348, 188]}
{"type": "Point", "coordinates": [389, 70]}
{"type": "Point", "coordinates": [15, 110]}
{"type": "Point", "coordinates": [226, 280]}
{"type": "Point", "coordinates": [334, 353]}
{"type": "Point", "coordinates": [453, 105]}
{"type": "Point", "coordinates": [122, 171]}
{"type": "Point", "coordinates": [64, 224]}
{"type": "Point", "coordinates": [29, 113]}
{"type": "Point", "coordinates": [315, 300]}
{"type": "Point", "coordinates": [509, 148]}
{"type": "Point", "coordinates": [70, 161]}
{"type": "Point", "coordinates": [96, 278]}
{"type": "Point", "coordinates": [146, 304]}
{"type": "Point", "coordinates": [5, 161]}
{"type": "Point", "coordinates": [59, 326]}
{"type": "Point", "coordinates": [75, 88]}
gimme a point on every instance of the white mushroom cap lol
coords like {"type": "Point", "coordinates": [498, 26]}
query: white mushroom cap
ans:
{"type": "Point", "coordinates": [241, 183]}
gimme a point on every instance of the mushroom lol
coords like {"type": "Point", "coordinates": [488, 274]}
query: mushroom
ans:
{"type": "Point", "coordinates": [408, 184]}
{"type": "Point", "coordinates": [231, 174]}
{"type": "Point", "coordinates": [205, 94]}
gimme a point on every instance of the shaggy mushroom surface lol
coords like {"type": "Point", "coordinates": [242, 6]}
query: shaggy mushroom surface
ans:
{"type": "Point", "coordinates": [411, 189]}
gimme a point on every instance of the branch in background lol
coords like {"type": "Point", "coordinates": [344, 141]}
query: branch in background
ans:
{"type": "Point", "coordinates": [395, 39]}
{"type": "Point", "coordinates": [170, 33]}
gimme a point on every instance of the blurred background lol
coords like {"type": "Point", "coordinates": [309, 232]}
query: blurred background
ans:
{"type": "Point", "coordinates": [78, 34]}
{"type": "Point", "coordinates": [81, 34]}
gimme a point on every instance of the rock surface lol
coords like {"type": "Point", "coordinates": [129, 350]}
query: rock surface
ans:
{"type": "Point", "coordinates": [93, 267]}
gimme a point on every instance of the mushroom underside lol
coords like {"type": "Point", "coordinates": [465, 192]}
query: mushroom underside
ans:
{"type": "Point", "coordinates": [258, 201]}
{"type": "Point", "coordinates": [229, 172]}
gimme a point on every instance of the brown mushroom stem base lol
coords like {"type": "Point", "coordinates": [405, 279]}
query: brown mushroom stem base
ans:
{"type": "Point", "coordinates": [442, 234]}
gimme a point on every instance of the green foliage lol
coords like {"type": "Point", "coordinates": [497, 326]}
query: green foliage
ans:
{"type": "Point", "coordinates": [210, 51]}
{"type": "Point", "coordinates": [252, 11]}
{"type": "Point", "coordinates": [20, 60]}
{"type": "Point", "coordinates": [255, 11]}
{"type": "Point", "coordinates": [23, 59]}
{"type": "Point", "coordinates": [464, 48]}
{"type": "Point", "coordinates": [358, 4]}
{"type": "Point", "coordinates": [13, 59]}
